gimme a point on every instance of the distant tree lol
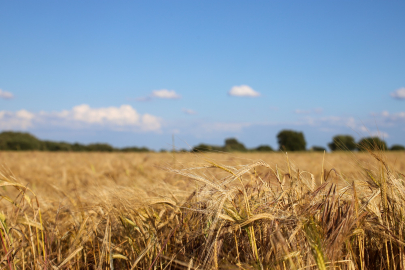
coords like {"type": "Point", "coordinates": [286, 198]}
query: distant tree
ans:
{"type": "Point", "coordinates": [342, 142]}
{"type": "Point", "coordinates": [232, 144]}
{"type": "Point", "coordinates": [263, 148]}
{"type": "Point", "coordinates": [10, 140]}
{"type": "Point", "coordinates": [135, 149]}
{"type": "Point", "coordinates": [290, 140]}
{"type": "Point", "coordinates": [77, 147]}
{"type": "Point", "coordinates": [372, 143]}
{"type": "Point", "coordinates": [100, 147]}
{"type": "Point", "coordinates": [56, 146]}
{"type": "Point", "coordinates": [206, 148]}
{"type": "Point", "coordinates": [397, 147]}
{"type": "Point", "coordinates": [318, 148]}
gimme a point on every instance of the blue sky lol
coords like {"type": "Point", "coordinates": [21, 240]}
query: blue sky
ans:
{"type": "Point", "coordinates": [135, 73]}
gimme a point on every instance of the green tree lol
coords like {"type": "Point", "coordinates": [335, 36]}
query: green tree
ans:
{"type": "Point", "coordinates": [342, 142]}
{"type": "Point", "coordinates": [100, 147]}
{"type": "Point", "coordinates": [56, 146]}
{"type": "Point", "coordinates": [206, 148]}
{"type": "Point", "coordinates": [264, 148]}
{"type": "Point", "coordinates": [10, 140]}
{"type": "Point", "coordinates": [135, 149]}
{"type": "Point", "coordinates": [397, 147]}
{"type": "Point", "coordinates": [318, 148]}
{"type": "Point", "coordinates": [372, 143]}
{"type": "Point", "coordinates": [77, 147]}
{"type": "Point", "coordinates": [290, 140]}
{"type": "Point", "coordinates": [232, 144]}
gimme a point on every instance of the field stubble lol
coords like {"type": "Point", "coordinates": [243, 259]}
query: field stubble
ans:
{"type": "Point", "coordinates": [202, 211]}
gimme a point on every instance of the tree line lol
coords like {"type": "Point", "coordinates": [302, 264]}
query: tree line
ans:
{"type": "Point", "coordinates": [16, 141]}
{"type": "Point", "coordinates": [288, 140]}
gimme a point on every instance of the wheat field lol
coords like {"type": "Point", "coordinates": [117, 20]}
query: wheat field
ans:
{"type": "Point", "coordinates": [202, 210]}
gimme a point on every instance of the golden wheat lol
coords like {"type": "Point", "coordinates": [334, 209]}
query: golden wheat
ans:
{"type": "Point", "coordinates": [202, 211]}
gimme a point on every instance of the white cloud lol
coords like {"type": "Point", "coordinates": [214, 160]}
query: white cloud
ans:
{"type": "Point", "coordinates": [166, 94]}
{"type": "Point", "coordinates": [189, 111]}
{"type": "Point", "coordinates": [162, 93]}
{"type": "Point", "coordinates": [329, 121]}
{"type": "Point", "coordinates": [243, 91]}
{"type": "Point", "coordinates": [399, 93]}
{"type": "Point", "coordinates": [82, 116]}
{"type": "Point", "coordinates": [150, 123]}
{"type": "Point", "coordinates": [120, 116]}
{"type": "Point", "coordinates": [15, 120]}
{"type": "Point", "coordinates": [387, 118]}
{"type": "Point", "coordinates": [6, 95]}
{"type": "Point", "coordinates": [335, 123]}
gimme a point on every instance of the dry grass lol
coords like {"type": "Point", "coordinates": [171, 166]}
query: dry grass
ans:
{"type": "Point", "coordinates": [202, 211]}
